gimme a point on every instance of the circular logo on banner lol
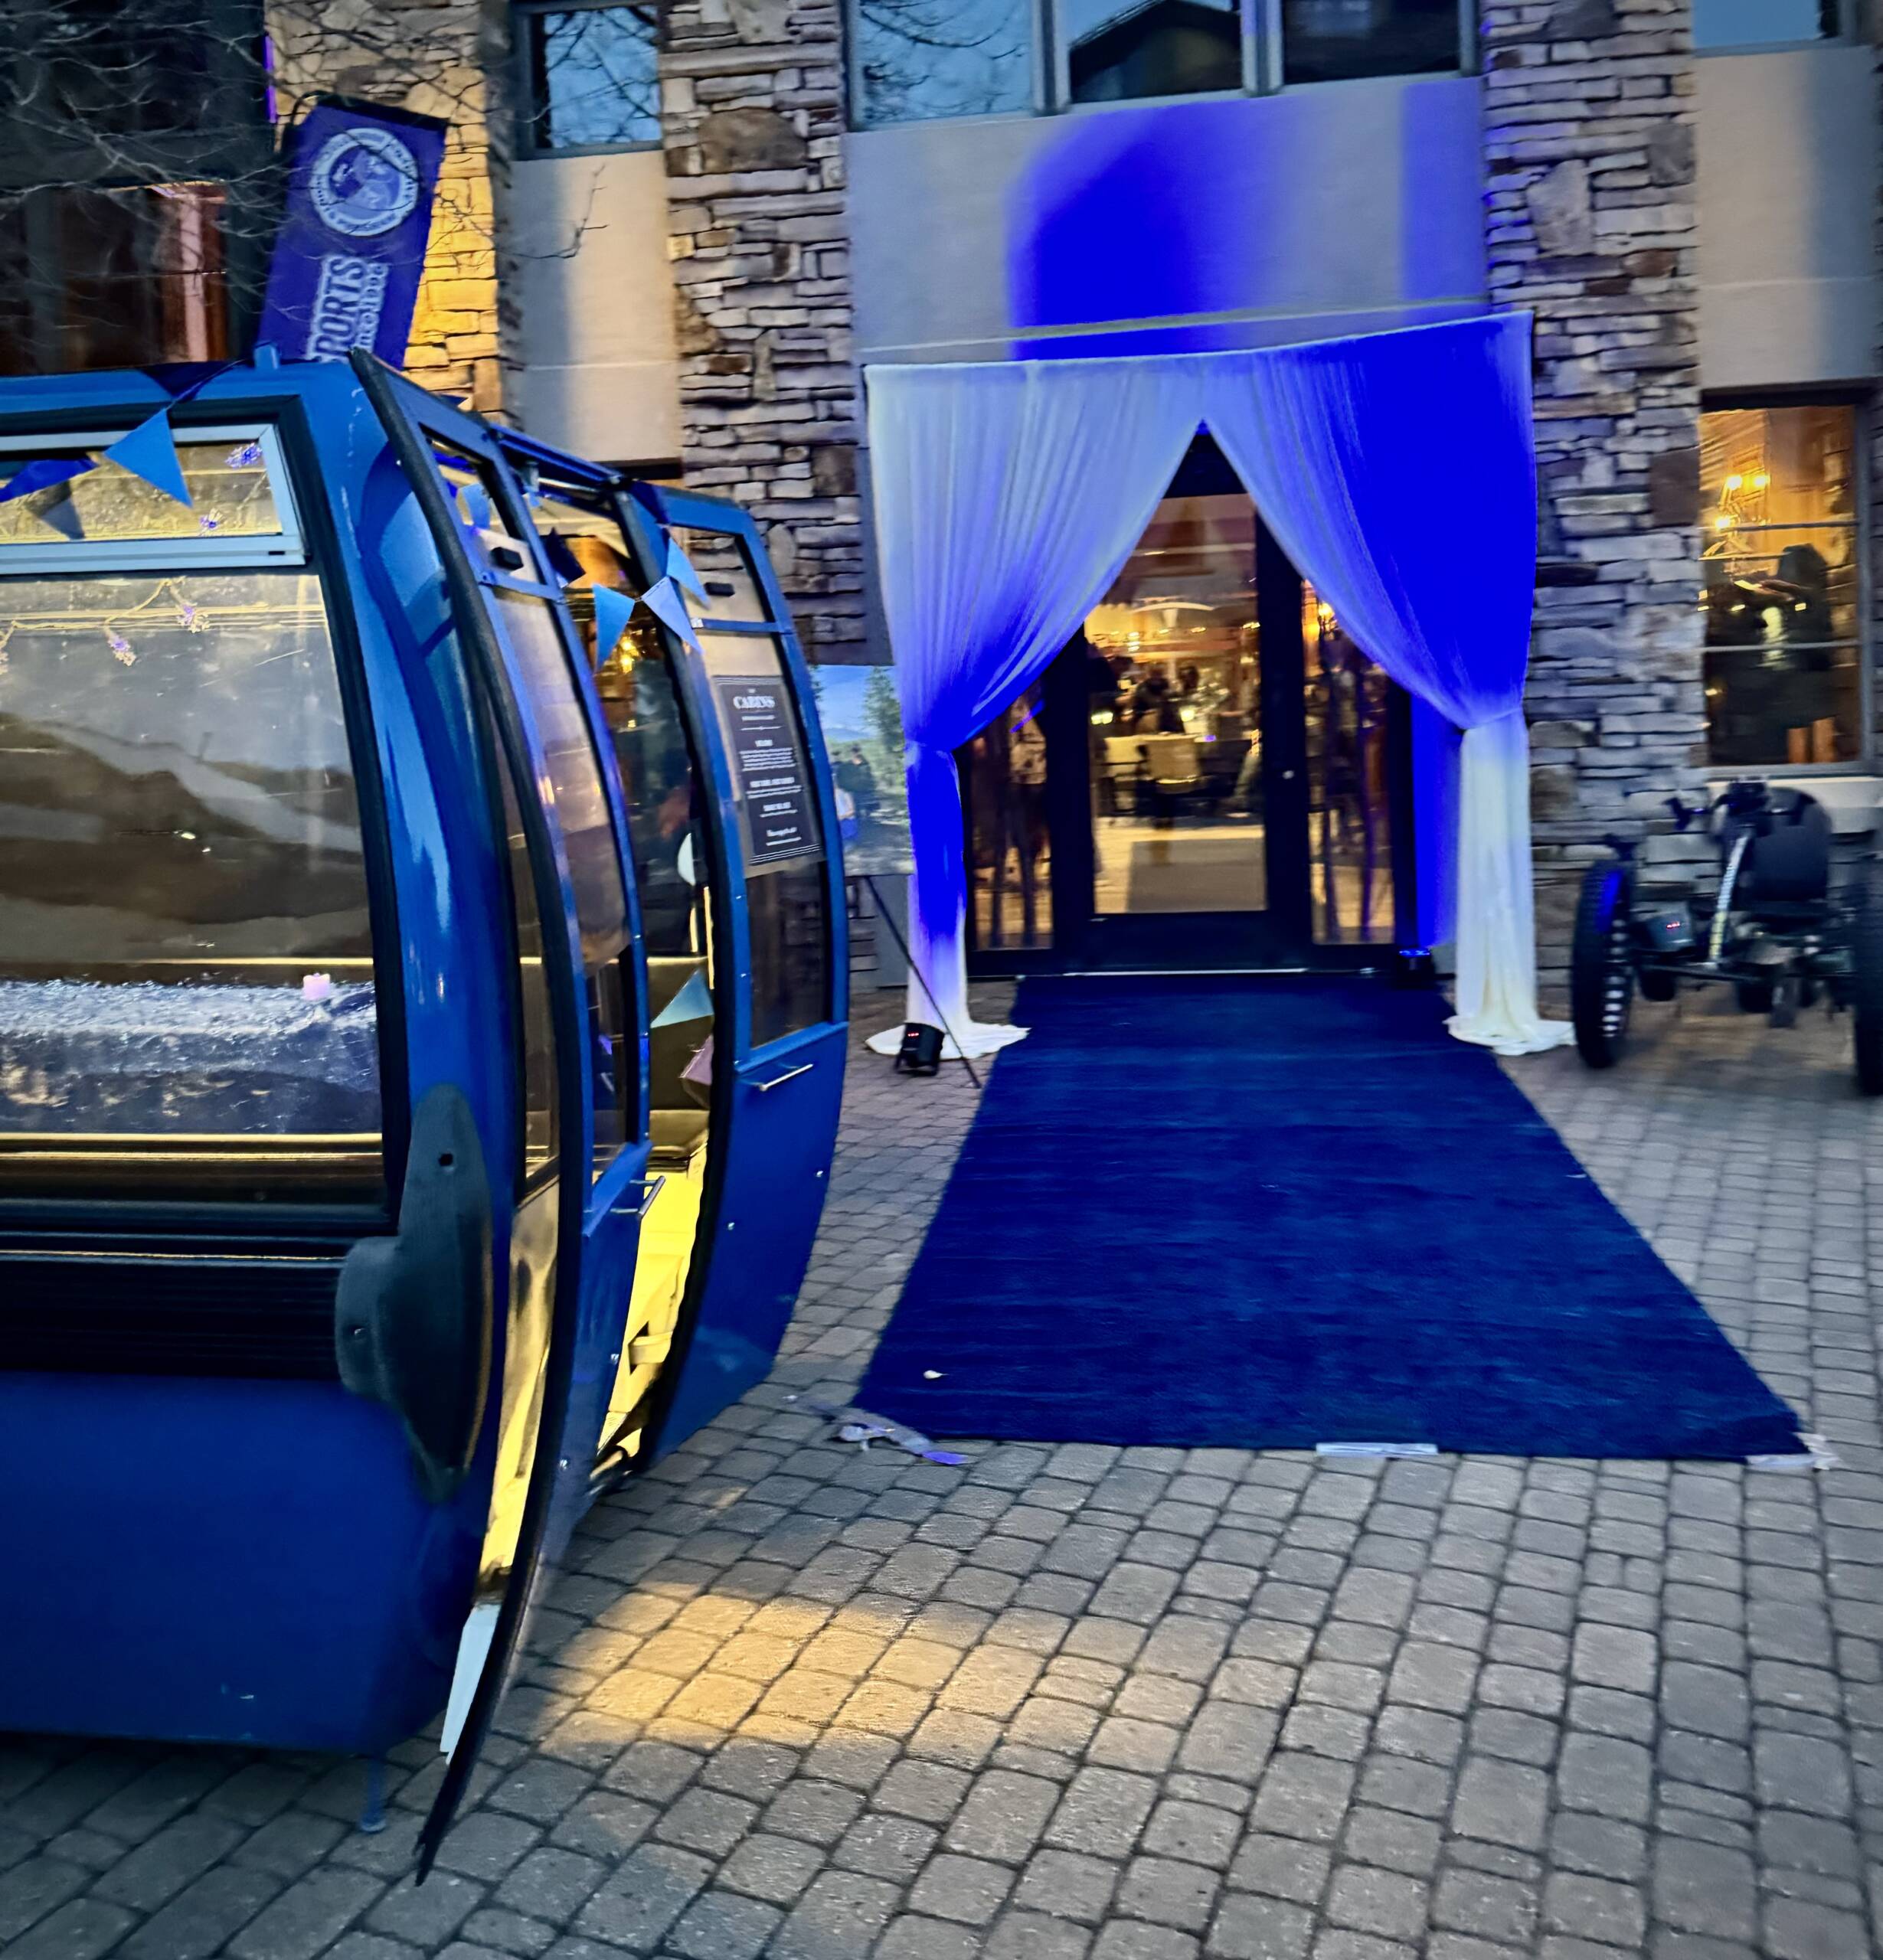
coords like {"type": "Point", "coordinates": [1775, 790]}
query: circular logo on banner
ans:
{"type": "Point", "coordinates": [364, 182]}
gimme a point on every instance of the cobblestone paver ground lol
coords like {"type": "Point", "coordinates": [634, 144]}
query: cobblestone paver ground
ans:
{"type": "Point", "coordinates": [1146, 1704]}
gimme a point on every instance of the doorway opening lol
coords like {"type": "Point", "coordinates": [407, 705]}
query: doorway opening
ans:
{"type": "Point", "coordinates": [1211, 777]}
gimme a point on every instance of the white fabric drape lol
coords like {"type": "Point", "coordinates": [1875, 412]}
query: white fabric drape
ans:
{"type": "Point", "coordinates": [1399, 472]}
{"type": "Point", "coordinates": [1003, 512]}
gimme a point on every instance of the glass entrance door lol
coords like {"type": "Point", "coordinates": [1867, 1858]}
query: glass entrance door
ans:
{"type": "Point", "coordinates": [1178, 760]}
{"type": "Point", "coordinates": [1210, 775]}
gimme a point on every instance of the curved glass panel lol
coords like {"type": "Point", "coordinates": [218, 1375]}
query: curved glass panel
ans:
{"type": "Point", "coordinates": [581, 803]}
{"type": "Point", "coordinates": [185, 949]}
{"type": "Point", "coordinates": [787, 899]}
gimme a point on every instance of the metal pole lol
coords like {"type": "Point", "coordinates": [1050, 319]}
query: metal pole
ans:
{"type": "Point", "coordinates": [902, 946]}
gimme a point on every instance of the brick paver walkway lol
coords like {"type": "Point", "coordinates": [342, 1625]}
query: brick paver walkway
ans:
{"type": "Point", "coordinates": [1146, 1704]}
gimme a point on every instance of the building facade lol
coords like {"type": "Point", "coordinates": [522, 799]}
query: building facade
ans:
{"type": "Point", "coordinates": [675, 238]}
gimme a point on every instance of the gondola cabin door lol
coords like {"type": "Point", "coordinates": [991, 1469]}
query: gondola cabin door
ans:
{"type": "Point", "coordinates": [574, 1234]}
{"type": "Point", "coordinates": [778, 1077]}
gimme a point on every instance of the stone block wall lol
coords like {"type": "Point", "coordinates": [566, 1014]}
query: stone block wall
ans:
{"type": "Point", "coordinates": [450, 59]}
{"type": "Point", "coordinates": [752, 103]}
{"type": "Point", "coordinates": [1589, 148]}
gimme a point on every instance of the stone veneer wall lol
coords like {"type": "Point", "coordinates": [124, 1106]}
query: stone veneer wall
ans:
{"type": "Point", "coordinates": [753, 102]}
{"type": "Point", "coordinates": [448, 58]}
{"type": "Point", "coordinates": [1589, 146]}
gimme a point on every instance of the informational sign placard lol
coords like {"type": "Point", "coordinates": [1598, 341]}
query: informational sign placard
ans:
{"type": "Point", "coordinates": [768, 768]}
{"type": "Point", "coordinates": [347, 263]}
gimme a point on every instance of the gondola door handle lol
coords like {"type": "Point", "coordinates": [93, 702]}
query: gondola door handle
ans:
{"type": "Point", "coordinates": [789, 1075]}
{"type": "Point", "coordinates": [651, 1188]}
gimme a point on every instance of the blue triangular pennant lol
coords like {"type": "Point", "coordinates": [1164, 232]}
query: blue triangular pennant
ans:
{"type": "Point", "coordinates": [680, 570]}
{"type": "Point", "coordinates": [693, 1002]}
{"type": "Point", "coordinates": [42, 473]}
{"type": "Point", "coordinates": [150, 452]}
{"type": "Point", "coordinates": [664, 603]}
{"type": "Point", "coordinates": [476, 501]}
{"type": "Point", "coordinates": [613, 610]}
{"type": "Point", "coordinates": [562, 561]}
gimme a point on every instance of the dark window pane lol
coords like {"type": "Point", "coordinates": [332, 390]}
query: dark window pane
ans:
{"type": "Point", "coordinates": [1349, 809]}
{"type": "Point", "coordinates": [185, 948]}
{"type": "Point", "coordinates": [593, 76]}
{"type": "Point", "coordinates": [1125, 50]}
{"type": "Point", "coordinates": [536, 1036]}
{"type": "Point", "coordinates": [113, 278]}
{"type": "Point", "coordinates": [1763, 23]}
{"type": "Point", "coordinates": [118, 70]}
{"type": "Point", "coordinates": [1003, 781]}
{"type": "Point", "coordinates": [1780, 586]}
{"type": "Point", "coordinates": [918, 59]}
{"type": "Point", "coordinates": [1331, 41]}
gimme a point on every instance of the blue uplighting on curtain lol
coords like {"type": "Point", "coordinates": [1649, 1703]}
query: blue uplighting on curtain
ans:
{"type": "Point", "coordinates": [1398, 471]}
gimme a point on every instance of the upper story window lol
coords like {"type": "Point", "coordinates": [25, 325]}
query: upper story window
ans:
{"type": "Point", "coordinates": [590, 76]}
{"type": "Point", "coordinates": [914, 60]}
{"type": "Point", "coordinates": [1336, 41]}
{"type": "Point", "coordinates": [1734, 25]}
{"type": "Point", "coordinates": [1124, 50]}
{"type": "Point", "coordinates": [135, 169]}
{"type": "Point", "coordinates": [1782, 586]}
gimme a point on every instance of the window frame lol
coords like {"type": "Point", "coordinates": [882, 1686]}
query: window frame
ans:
{"type": "Point", "coordinates": [206, 551]}
{"type": "Point", "coordinates": [238, 142]}
{"type": "Point", "coordinates": [202, 1204]}
{"type": "Point", "coordinates": [1862, 411]}
{"type": "Point", "coordinates": [528, 110]}
{"type": "Point", "coordinates": [1263, 66]}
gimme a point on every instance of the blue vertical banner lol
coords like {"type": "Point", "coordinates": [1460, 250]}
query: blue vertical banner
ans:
{"type": "Point", "coordinates": [347, 262]}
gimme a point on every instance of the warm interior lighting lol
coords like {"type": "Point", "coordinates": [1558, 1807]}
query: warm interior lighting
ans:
{"type": "Point", "coordinates": [1722, 523]}
{"type": "Point", "coordinates": [1759, 481]}
{"type": "Point", "coordinates": [1735, 481]}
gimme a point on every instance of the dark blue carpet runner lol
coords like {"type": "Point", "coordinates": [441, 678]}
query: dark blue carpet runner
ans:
{"type": "Point", "coordinates": [1275, 1213]}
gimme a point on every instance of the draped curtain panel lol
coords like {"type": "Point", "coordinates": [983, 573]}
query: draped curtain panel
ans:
{"type": "Point", "coordinates": [1399, 472]}
{"type": "Point", "coordinates": [1005, 507]}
